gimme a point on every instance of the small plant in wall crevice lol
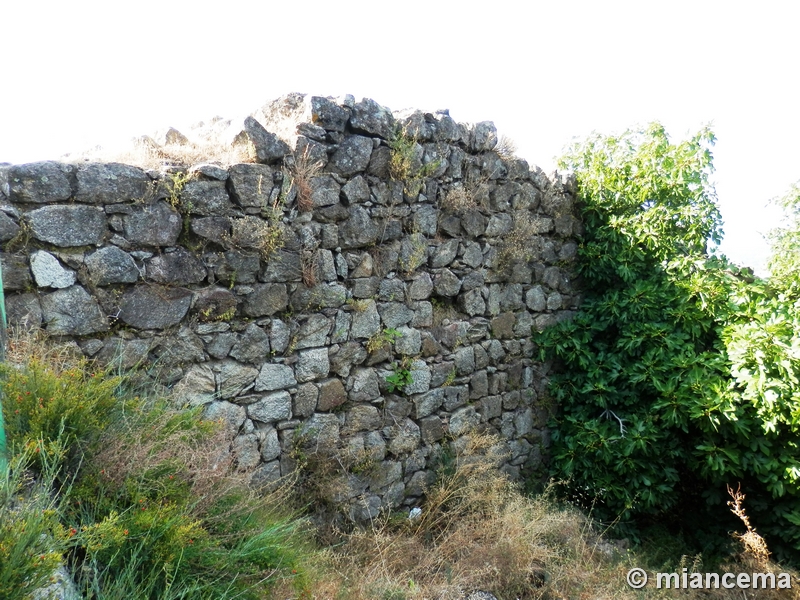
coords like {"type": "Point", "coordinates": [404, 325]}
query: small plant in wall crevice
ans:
{"type": "Point", "coordinates": [400, 377]}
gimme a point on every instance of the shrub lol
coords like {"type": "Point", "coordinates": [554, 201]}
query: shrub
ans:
{"type": "Point", "coordinates": [31, 536]}
{"type": "Point", "coordinates": [678, 372]}
{"type": "Point", "coordinates": [161, 510]}
{"type": "Point", "coordinates": [47, 401]}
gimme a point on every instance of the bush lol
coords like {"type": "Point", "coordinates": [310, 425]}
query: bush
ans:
{"type": "Point", "coordinates": [679, 373]}
{"type": "Point", "coordinates": [31, 536]}
{"type": "Point", "coordinates": [153, 506]}
{"type": "Point", "coordinates": [48, 399]}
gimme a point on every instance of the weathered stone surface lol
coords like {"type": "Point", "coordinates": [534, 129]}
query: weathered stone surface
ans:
{"type": "Point", "coordinates": [279, 336]}
{"type": "Point", "coordinates": [23, 309]}
{"type": "Point", "coordinates": [207, 198]}
{"type": "Point", "coordinates": [420, 378]}
{"type": "Point", "coordinates": [181, 348]}
{"type": "Point", "coordinates": [361, 418]}
{"type": "Point", "coordinates": [250, 185]}
{"type": "Point", "coordinates": [484, 136]}
{"type": "Point", "coordinates": [283, 266]}
{"type": "Point", "coordinates": [472, 303]}
{"type": "Point", "coordinates": [352, 156]}
{"type": "Point", "coordinates": [230, 415]}
{"type": "Point", "coordinates": [314, 332]}
{"type": "Point", "coordinates": [305, 400]}
{"type": "Point", "coordinates": [266, 300]}
{"type": "Point", "coordinates": [275, 377]}
{"type": "Point", "coordinates": [179, 267]}
{"type": "Point", "coordinates": [214, 304]}
{"type": "Point", "coordinates": [197, 387]}
{"type": "Point", "coordinates": [363, 385]}
{"type": "Point", "coordinates": [356, 190]}
{"type": "Point", "coordinates": [366, 321]}
{"type": "Point", "coordinates": [214, 229]}
{"type": "Point", "coordinates": [312, 364]}
{"type": "Point", "coordinates": [154, 307]}
{"type": "Point", "coordinates": [324, 191]}
{"type": "Point", "coordinates": [49, 272]}
{"type": "Point", "coordinates": [373, 119]}
{"type": "Point", "coordinates": [409, 342]}
{"type": "Point", "coordinates": [37, 182]}
{"type": "Point", "coordinates": [320, 296]}
{"type": "Point", "coordinates": [8, 228]}
{"type": "Point", "coordinates": [152, 225]}
{"type": "Point", "coordinates": [421, 287]}
{"type": "Point", "coordinates": [404, 438]}
{"type": "Point", "coordinates": [267, 476]}
{"type": "Point", "coordinates": [349, 355]}
{"type": "Point", "coordinates": [447, 284]}
{"type": "Point", "coordinates": [535, 299]}
{"type": "Point", "coordinates": [321, 431]}
{"type": "Point", "coordinates": [327, 114]}
{"type": "Point", "coordinates": [272, 407]}
{"type": "Point", "coordinates": [270, 446]}
{"type": "Point", "coordinates": [268, 147]}
{"type": "Point", "coordinates": [16, 272]}
{"type": "Point", "coordinates": [68, 225]}
{"type": "Point", "coordinates": [387, 473]}
{"type": "Point", "coordinates": [234, 267]}
{"type": "Point", "coordinates": [359, 230]}
{"type": "Point", "coordinates": [245, 451]}
{"type": "Point", "coordinates": [428, 403]}
{"type": "Point", "coordinates": [463, 420]}
{"type": "Point", "coordinates": [252, 347]}
{"type": "Point", "coordinates": [331, 394]}
{"type": "Point", "coordinates": [503, 326]}
{"type": "Point", "coordinates": [431, 429]}
{"type": "Point", "coordinates": [209, 170]}
{"type": "Point", "coordinates": [233, 377]}
{"type": "Point", "coordinates": [72, 311]}
{"type": "Point", "coordinates": [395, 314]}
{"type": "Point", "coordinates": [110, 183]}
{"type": "Point", "coordinates": [464, 360]}
{"type": "Point", "coordinates": [111, 265]}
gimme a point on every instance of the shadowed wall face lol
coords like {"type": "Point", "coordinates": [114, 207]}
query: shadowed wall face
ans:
{"type": "Point", "coordinates": [365, 289]}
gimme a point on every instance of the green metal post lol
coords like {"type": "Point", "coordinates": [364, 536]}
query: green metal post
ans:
{"type": "Point", "coordinates": [3, 325]}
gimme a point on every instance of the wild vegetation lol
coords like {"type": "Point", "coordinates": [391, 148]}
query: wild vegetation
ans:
{"type": "Point", "coordinates": [679, 375]}
{"type": "Point", "coordinates": [140, 501]}
{"type": "Point", "coordinates": [678, 384]}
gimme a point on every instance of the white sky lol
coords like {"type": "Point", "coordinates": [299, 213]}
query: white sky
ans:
{"type": "Point", "coordinates": [80, 73]}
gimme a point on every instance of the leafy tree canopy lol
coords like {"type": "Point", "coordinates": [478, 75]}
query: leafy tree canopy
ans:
{"type": "Point", "coordinates": [680, 372]}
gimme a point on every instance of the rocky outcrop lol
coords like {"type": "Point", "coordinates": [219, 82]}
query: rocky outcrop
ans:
{"type": "Point", "coordinates": [366, 289]}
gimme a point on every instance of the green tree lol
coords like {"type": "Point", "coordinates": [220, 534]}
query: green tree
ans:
{"type": "Point", "coordinates": [655, 413]}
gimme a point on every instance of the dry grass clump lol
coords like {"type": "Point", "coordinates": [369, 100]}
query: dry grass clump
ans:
{"type": "Point", "coordinates": [255, 233]}
{"type": "Point", "coordinates": [476, 532]}
{"type": "Point", "coordinates": [506, 148]}
{"type": "Point", "coordinates": [302, 169]}
{"type": "Point", "coordinates": [146, 153]}
{"type": "Point", "coordinates": [458, 199]}
{"type": "Point", "coordinates": [517, 245]}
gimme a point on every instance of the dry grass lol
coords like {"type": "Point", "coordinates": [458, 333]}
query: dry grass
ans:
{"type": "Point", "coordinates": [506, 148]}
{"type": "Point", "coordinates": [144, 152]}
{"type": "Point", "coordinates": [308, 268]}
{"type": "Point", "coordinates": [302, 170]}
{"type": "Point", "coordinates": [477, 531]}
{"type": "Point", "coordinates": [517, 245]}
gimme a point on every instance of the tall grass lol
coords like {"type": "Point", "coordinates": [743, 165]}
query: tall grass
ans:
{"type": "Point", "coordinates": [139, 500]}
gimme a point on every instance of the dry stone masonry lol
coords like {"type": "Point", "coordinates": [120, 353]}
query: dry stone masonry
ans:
{"type": "Point", "coordinates": [364, 290]}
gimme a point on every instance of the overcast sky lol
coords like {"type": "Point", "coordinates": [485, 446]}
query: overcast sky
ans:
{"type": "Point", "coordinates": [81, 73]}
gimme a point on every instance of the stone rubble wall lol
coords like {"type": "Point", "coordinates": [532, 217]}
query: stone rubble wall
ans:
{"type": "Point", "coordinates": [287, 299]}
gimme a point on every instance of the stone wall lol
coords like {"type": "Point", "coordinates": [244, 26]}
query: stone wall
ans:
{"type": "Point", "coordinates": [365, 289]}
